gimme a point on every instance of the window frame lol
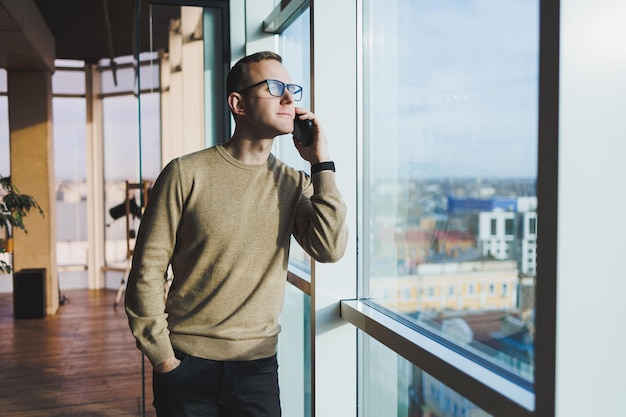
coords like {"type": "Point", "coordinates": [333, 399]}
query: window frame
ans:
{"type": "Point", "coordinates": [479, 384]}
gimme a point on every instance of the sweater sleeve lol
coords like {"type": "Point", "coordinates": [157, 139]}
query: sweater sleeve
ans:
{"type": "Point", "coordinates": [145, 292]}
{"type": "Point", "coordinates": [320, 226]}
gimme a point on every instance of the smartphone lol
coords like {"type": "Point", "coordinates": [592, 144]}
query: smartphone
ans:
{"type": "Point", "coordinates": [303, 131]}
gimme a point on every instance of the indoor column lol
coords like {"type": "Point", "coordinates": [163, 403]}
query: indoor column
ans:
{"type": "Point", "coordinates": [32, 171]}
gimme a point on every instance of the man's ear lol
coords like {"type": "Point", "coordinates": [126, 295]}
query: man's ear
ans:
{"type": "Point", "coordinates": [236, 104]}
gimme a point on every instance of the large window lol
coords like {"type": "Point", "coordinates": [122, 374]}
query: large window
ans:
{"type": "Point", "coordinates": [450, 122]}
{"type": "Point", "coordinates": [70, 155]}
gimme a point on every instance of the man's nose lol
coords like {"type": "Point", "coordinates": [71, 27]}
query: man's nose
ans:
{"type": "Point", "coordinates": [287, 97]}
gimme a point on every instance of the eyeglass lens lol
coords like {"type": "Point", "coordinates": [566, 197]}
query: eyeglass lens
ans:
{"type": "Point", "coordinates": [277, 89]}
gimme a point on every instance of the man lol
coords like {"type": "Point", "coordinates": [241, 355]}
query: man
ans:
{"type": "Point", "coordinates": [223, 218]}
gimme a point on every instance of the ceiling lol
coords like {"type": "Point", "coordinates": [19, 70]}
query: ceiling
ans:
{"type": "Point", "coordinates": [83, 32]}
{"type": "Point", "coordinates": [87, 30]}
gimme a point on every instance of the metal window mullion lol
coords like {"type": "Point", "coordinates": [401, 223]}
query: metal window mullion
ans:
{"type": "Point", "coordinates": [280, 18]}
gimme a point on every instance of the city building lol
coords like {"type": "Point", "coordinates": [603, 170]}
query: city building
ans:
{"type": "Point", "coordinates": [455, 286]}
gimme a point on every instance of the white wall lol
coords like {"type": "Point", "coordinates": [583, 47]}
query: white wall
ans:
{"type": "Point", "coordinates": [591, 273]}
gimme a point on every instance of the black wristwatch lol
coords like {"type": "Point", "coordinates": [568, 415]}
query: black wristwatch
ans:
{"type": "Point", "coordinates": [323, 166]}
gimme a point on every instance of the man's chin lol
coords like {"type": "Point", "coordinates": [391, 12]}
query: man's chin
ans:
{"type": "Point", "coordinates": [285, 131]}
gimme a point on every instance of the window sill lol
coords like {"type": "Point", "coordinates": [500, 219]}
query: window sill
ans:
{"type": "Point", "coordinates": [482, 386]}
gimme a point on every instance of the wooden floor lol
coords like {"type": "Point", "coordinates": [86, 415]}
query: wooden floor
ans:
{"type": "Point", "coordinates": [80, 362]}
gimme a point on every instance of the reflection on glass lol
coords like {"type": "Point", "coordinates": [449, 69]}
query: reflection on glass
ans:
{"type": "Point", "coordinates": [412, 393]}
{"type": "Point", "coordinates": [295, 50]}
{"type": "Point", "coordinates": [121, 162]}
{"type": "Point", "coordinates": [451, 133]}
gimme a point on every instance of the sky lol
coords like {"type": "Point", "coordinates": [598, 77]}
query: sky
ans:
{"type": "Point", "coordinates": [453, 87]}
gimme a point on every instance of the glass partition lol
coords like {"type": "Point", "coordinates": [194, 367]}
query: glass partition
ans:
{"type": "Point", "coordinates": [451, 168]}
{"type": "Point", "coordinates": [296, 53]}
{"type": "Point", "coordinates": [294, 348]}
{"type": "Point", "coordinates": [121, 164]}
{"type": "Point", "coordinates": [132, 157]}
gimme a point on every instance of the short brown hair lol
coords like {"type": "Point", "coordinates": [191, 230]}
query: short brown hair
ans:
{"type": "Point", "coordinates": [239, 75]}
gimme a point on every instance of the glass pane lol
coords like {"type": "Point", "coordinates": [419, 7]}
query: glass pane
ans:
{"type": "Point", "coordinates": [127, 59]}
{"type": "Point", "coordinates": [411, 393]}
{"type": "Point", "coordinates": [5, 166]}
{"type": "Point", "coordinates": [120, 80]}
{"type": "Point", "coordinates": [3, 80]}
{"type": "Point", "coordinates": [68, 82]}
{"type": "Point", "coordinates": [150, 135]}
{"type": "Point", "coordinates": [124, 79]}
{"type": "Point", "coordinates": [5, 160]}
{"type": "Point", "coordinates": [294, 354]}
{"type": "Point", "coordinates": [150, 75]}
{"type": "Point", "coordinates": [295, 50]}
{"type": "Point", "coordinates": [121, 164]}
{"type": "Point", "coordinates": [451, 143]}
{"type": "Point", "coordinates": [69, 63]}
{"type": "Point", "coordinates": [71, 182]}
{"type": "Point", "coordinates": [296, 315]}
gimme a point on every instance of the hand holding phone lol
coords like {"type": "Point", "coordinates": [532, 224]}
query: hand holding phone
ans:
{"type": "Point", "coordinates": [303, 130]}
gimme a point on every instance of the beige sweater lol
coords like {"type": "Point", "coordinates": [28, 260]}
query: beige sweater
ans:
{"type": "Point", "coordinates": [225, 227]}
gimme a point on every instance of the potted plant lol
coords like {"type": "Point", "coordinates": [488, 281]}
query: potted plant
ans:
{"type": "Point", "coordinates": [14, 206]}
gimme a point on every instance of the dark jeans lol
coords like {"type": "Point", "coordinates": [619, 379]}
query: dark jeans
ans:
{"type": "Point", "coordinates": [205, 388]}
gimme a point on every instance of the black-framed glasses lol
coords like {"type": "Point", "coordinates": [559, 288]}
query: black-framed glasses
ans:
{"type": "Point", "coordinates": [277, 88]}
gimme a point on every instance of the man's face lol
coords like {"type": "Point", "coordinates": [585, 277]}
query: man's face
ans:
{"type": "Point", "coordinates": [268, 115]}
